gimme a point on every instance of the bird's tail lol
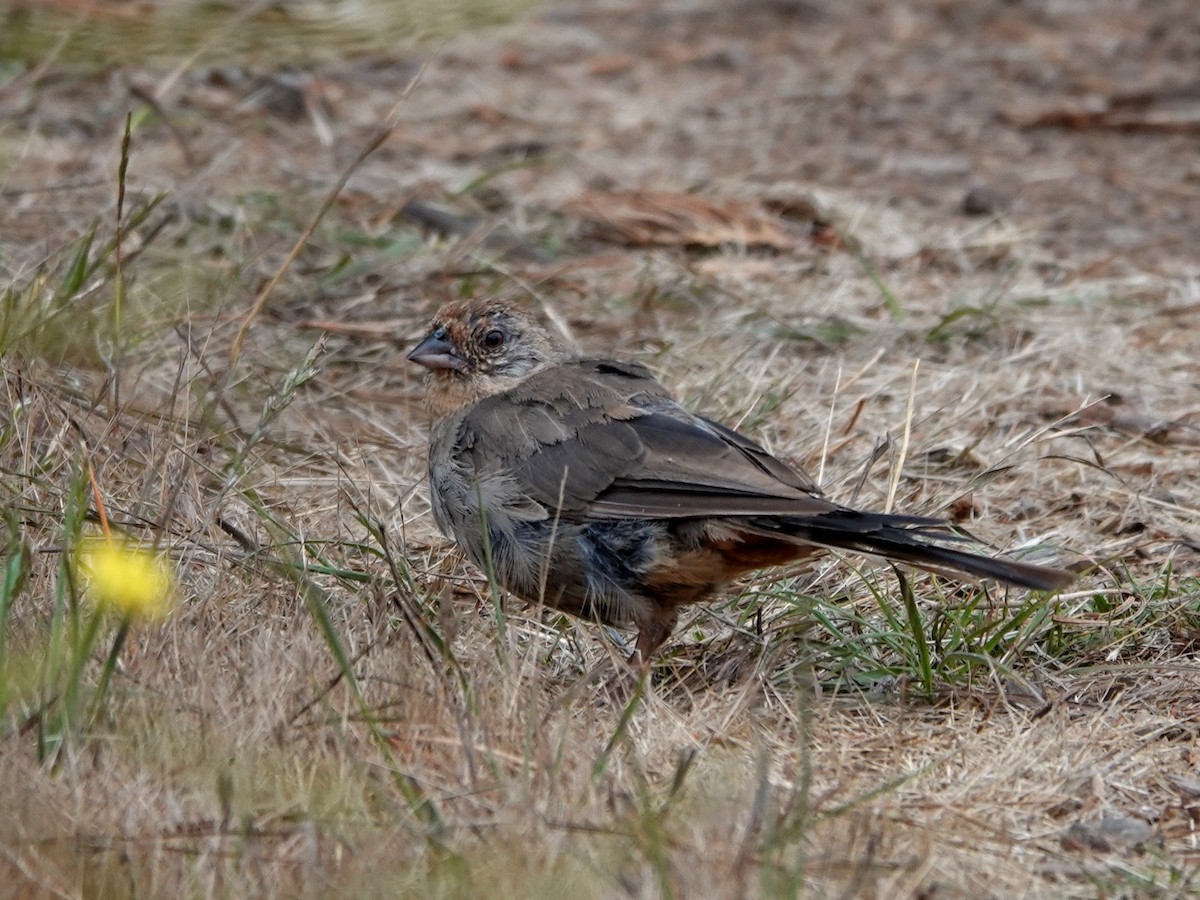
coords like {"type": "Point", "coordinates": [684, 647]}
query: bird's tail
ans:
{"type": "Point", "coordinates": [915, 540]}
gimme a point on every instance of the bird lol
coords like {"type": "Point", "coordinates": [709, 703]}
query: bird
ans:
{"type": "Point", "coordinates": [582, 484]}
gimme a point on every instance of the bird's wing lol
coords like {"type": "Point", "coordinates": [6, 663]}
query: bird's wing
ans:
{"type": "Point", "coordinates": [603, 440]}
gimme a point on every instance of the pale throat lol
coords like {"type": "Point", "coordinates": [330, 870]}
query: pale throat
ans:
{"type": "Point", "coordinates": [449, 392]}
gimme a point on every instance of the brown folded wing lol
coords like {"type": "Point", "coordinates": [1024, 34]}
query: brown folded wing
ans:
{"type": "Point", "coordinates": [604, 440]}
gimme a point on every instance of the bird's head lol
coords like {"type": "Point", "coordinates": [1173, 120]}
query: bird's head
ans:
{"type": "Point", "coordinates": [476, 348]}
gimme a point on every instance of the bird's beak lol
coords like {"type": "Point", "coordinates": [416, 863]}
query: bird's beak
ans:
{"type": "Point", "coordinates": [436, 353]}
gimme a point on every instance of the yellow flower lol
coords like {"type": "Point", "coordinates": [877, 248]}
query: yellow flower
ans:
{"type": "Point", "coordinates": [123, 578]}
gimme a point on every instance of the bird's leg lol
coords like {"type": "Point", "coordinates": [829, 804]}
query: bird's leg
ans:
{"type": "Point", "coordinates": [622, 686]}
{"type": "Point", "coordinates": [651, 636]}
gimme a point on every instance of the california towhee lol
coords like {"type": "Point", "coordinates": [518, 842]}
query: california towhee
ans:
{"type": "Point", "coordinates": [580, 483]}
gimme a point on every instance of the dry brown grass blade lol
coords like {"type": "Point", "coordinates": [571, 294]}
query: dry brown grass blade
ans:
{"type": "Point", "coordinates": [902, 454]}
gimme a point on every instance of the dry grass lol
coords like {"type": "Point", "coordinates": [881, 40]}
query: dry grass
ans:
{"type": "Point", "coordinates": [336, 708]}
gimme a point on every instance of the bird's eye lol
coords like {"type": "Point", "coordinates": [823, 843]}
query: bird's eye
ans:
{"type": "Point", "coordinates": [493, 339]}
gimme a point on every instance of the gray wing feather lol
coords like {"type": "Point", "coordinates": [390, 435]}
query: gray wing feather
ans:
{"type": "Point", "coordinates": [604, 440]}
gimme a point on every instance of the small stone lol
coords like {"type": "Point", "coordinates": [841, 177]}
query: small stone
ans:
{"type": "Point", "coordinates": [984, 201]}
{"type": "Point", "coordinates": [1110, 832]}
